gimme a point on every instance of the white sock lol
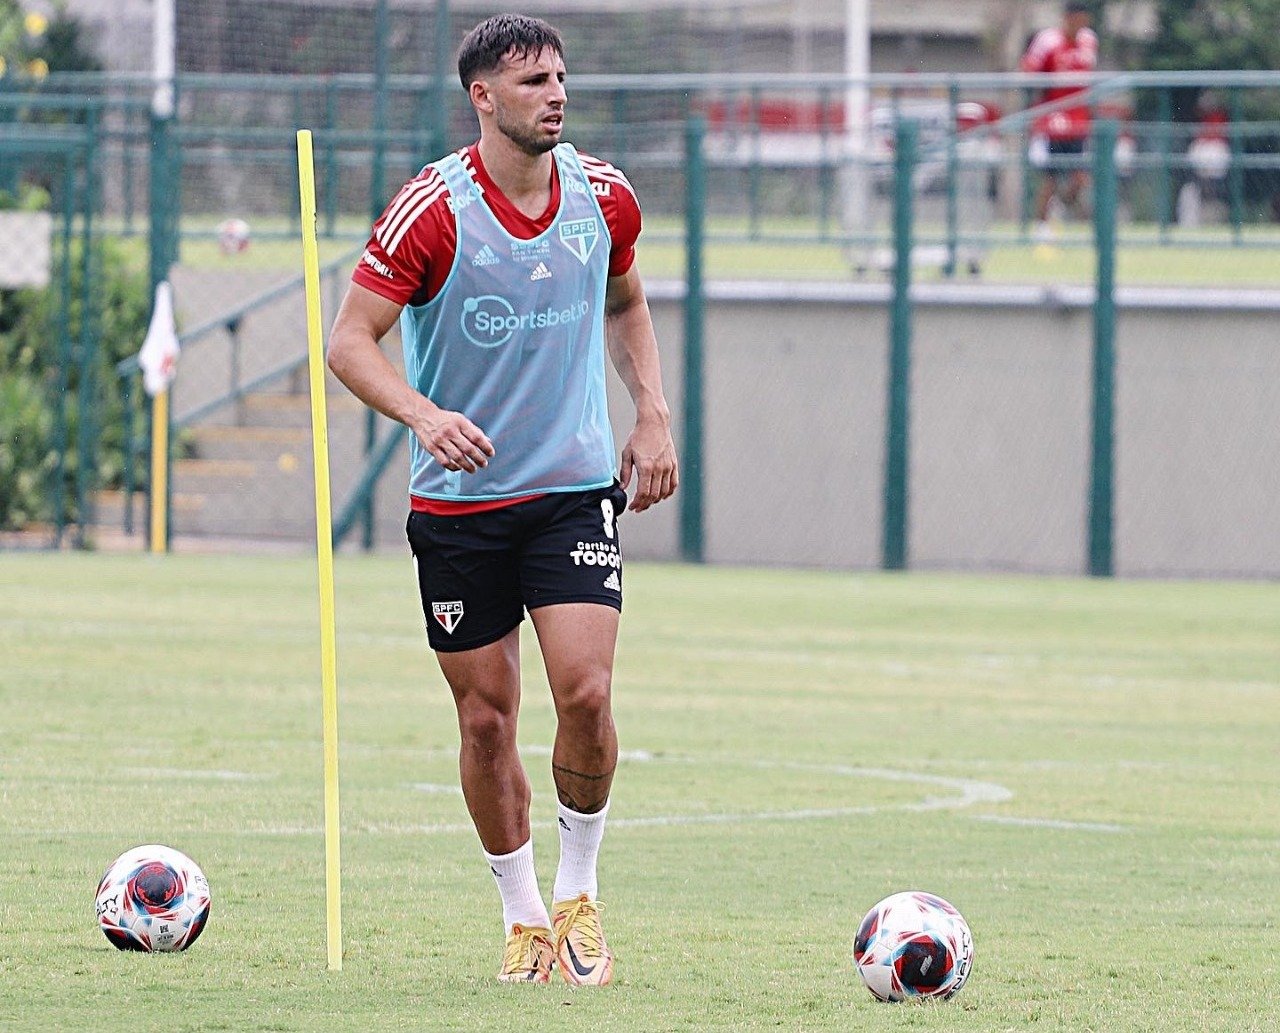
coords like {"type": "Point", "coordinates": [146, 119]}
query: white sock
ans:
{"type": "Point", "coordinates": [518, 884]}
{"type": "Point", "coordinates": [580, 836]}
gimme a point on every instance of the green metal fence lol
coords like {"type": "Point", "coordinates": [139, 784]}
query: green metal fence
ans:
{"type": "Point", "coordinates": [759, 178]}
{"type": "Point", "coordinates": [49, 330]}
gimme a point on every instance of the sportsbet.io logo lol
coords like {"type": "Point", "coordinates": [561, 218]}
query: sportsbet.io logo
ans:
{"type": "Point", "coordinates": [489, 320]}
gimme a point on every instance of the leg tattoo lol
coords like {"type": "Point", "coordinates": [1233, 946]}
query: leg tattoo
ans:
{"type": "Point", "coordinates": [585, 794]}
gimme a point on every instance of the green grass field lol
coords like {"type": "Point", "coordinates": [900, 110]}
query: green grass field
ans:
{"type": "Point", "coordinates": [1088, 769]}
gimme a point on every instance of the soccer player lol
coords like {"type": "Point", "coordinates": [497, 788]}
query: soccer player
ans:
{"type": "Point", "coordinates": [511, 267]}
{"type": "Point", "coordinates": [1069, 47]}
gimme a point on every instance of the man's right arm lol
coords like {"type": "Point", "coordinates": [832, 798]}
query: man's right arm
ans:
{"type": "Point", "coordinates": [356, 359]}
{"type": "Point", "coordinates": [1037, 51]}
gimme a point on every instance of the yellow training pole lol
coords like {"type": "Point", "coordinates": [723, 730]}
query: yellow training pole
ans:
{"type": "Point", "coordinates": [324, 550]}
{"type": "Point", "coordinates": [159, 471]}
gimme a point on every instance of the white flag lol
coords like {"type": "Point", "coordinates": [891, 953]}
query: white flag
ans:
{"type": "Point", "coordinates": [159, 355]}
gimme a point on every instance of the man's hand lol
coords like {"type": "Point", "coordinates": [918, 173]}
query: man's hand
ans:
{"type": "Point", "coordinates": [651, 454]}
{"type": "Point", "coordinates": [453, 440]}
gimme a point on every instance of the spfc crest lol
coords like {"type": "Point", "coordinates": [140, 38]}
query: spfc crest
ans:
{"type": "Point", "coordinates": [580, 236]}
{"type": "Point", "coordinates": [447, 615]}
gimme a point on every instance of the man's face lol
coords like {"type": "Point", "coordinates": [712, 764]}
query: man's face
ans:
{"type": "Point", "coordinates": [528, 99]}
{"type": "Point", "coordinates": [1074, 22]}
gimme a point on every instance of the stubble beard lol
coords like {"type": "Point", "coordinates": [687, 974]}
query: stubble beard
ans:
{"type": "Point", "coordinates": [528, 138]}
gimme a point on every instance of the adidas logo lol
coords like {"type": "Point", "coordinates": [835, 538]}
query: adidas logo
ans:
{"type": "Point", "coordinates": [612, 582]}
{"type": "Point", "coordinates": [540, 272]}
{"type": "Point", "coordinates": [485, 256]}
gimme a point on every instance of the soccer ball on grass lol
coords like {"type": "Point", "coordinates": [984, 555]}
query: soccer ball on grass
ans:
{"type": "Point", "coordinates": [153, 898]}
{"type": "Point", "coordinates": [913, 945]}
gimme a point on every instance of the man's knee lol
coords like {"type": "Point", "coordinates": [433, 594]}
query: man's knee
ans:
{"type": "Point", "coordinates": [484, 725]}
{"type": "Point", "coordinates": [587, 699]}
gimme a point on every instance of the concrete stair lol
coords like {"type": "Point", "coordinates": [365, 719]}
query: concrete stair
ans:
{"type": "Point", "coordinates": [253, 479]}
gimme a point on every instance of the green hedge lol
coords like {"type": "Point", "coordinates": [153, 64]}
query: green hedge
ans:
{"type": "Point", "coordinates": [30, 407]}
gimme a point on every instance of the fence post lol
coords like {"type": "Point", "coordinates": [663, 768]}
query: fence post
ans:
{"type": "Point", "coordinates": [377, 199]}
{"type": "Point", "coordinates": [1164, 192]}
{"type": "Point", "coordinates": [1028, 172]}
{"type": "Point", "coordinates": [953, 186]}
{"type": "Point", "coordinates": [1235, 182]}
{"type": "Point", "coordinates": [61, 432]}
{"type": "Point", "coordinates": [165, 184]}
{"type": "Point", "coordinates": [691, 474]}
{"type": "Point", "coordinates": [87, 394]}
{"type": "Point", "coordinates": [130, 451]}
{"type": "Point", "coordinates": [897, 428]}
{"type": "Point", "coordinates": [378, 169]}
{"type": "Point", "coordinates": [1102, 470]}
{"type": "Point", "coordinates": [330, 157]}
{"type": "Point", "coordinates": [440, 109]}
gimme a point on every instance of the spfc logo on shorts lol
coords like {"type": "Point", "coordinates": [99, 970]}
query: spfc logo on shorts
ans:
{"type": "Point", "coordinates": [447, 615]}
{"type": "Point", "coordinates": [580, 236]}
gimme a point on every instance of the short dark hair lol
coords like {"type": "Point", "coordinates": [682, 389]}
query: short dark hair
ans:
{"type": "Point", "coordinates": [1077, 7]}
{"type": "Point", "coordinates": [494, 38]}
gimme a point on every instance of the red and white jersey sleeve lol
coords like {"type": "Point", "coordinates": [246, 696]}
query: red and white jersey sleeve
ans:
{"type": "Point", "coordinates": [621, 209]}
{"type": "Point", "coordinates": [411, 248]}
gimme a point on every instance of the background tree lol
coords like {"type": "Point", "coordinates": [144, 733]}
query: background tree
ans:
{"type": "Point", "coordinates": [1200, 35]}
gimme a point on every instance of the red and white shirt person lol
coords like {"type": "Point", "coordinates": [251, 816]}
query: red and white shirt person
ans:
{"type": "Point", "coordinates": [1053, 51]}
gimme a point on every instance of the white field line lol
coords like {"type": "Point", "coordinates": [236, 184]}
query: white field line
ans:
{"type": "Point", "coordinates": [435, 787]}
{"type": "Point", "coordinates": [962, 793]}
{"type": "Point", "coordinates": [1049, 823]}
{"type": "Point", "coordinates": [193, 775]}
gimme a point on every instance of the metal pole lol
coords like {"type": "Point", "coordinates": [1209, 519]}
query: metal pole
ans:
{"type": "Point", "coordinates": [86, 393]}
{"type": "Point", "coordinates": [897, 430]}
{"type": "Point", "coordinates": [377, 184]}
{"type": "Point", "coordinates": [1235, 184]}
{"type": "Point", "coordinates": [620, 128]}
{"type": "Point", "coordinates": [1102, 471]}
{"type": "Point", "coordinates": [857, 66]}
{"type": "Point", "coordinates": [1028, 172]}
{"type": "Point", "coordinates": [692, 539]}
{"type": "Point", "coordinates": [366, 511]}
{"type": "Point", "coordinates": [126, 162]}
{"type": "Point", "coordinates": [953, 187]}
{"type": "Point", "coordinates": [377, 199]}
{"type": "Point", "coordinates": [440, 109]}
{"type": "Point", "coordinates": [163, 191]}
{"type": "Point", "coordinates": [130, 452]}
{"type": "Point", "coordinates": [61, 433]}
{"type": "Point", "coordinates": [1164, 193]}
{"type": "Point", "coordinates": [330, 158]}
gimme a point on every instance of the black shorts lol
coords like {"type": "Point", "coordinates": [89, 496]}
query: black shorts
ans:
{"type": "Point", "coordinates": [478, 573]}
{"type": "Point", "coordinates": [1069, 149]}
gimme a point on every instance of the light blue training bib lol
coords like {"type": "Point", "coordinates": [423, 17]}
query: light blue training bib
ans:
{"type": "Point", "coordinates": [515, 342]}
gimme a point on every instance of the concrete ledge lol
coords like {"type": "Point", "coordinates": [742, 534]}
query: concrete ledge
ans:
{"type": "Point", "coordinates": [1032, 296]}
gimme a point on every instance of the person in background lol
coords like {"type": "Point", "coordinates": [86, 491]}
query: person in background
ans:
{"type": "Point", "coordinates": [1071, 46]}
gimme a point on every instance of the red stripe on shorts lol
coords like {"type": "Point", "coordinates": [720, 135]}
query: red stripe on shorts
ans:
{"type": "Point", "coordinates": [447, 507]}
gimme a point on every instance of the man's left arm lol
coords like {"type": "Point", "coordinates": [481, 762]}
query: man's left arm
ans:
{"type": "Point", "coordinates": [633, 348]}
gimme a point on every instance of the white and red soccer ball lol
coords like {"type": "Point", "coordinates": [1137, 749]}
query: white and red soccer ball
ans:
{"type": "Point", "coordinates": [153, 898]}
{"type": "Point", "coordinates": [233, 236]}
{"type": "Point", "coordinates": [913, 945]}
